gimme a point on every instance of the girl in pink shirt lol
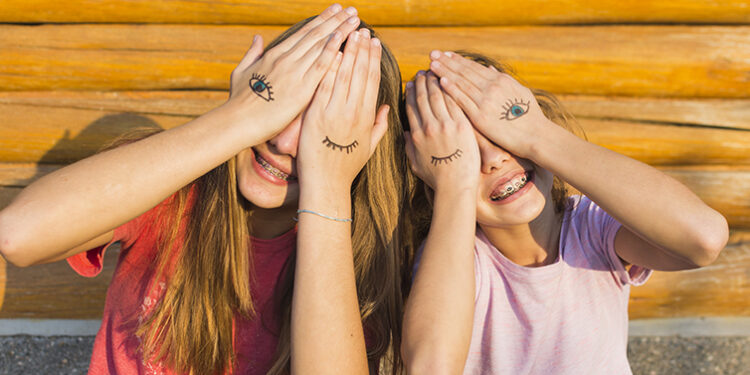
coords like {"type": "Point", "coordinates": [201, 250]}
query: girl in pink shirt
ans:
{"type": "Point", "coordinates": [215, 275]}
{"type": "Point", "coordinates": [515, 277]}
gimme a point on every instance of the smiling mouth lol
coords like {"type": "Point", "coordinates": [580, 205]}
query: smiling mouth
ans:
{"type": "Point", "coordinates": [273, 170]}
{"type": "Point", "coordinates": [511, 187]}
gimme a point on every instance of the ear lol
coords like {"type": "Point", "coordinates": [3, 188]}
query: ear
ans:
{"type": "Point", "coordinates": [380, 126]}
{"type": "Point", "coordinates": [253, 54]}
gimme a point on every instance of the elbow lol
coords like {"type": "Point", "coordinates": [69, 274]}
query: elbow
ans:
{"type": "Point", "coordinates": [710, 241]}
{"type": "Point", "coordinates": [9, 248]}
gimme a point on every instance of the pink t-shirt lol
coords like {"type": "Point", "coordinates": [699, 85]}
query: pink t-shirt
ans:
{"type": "Point", "coordinates": [569, 317]}
{"type": "Point", "coordinates": [133, 293]}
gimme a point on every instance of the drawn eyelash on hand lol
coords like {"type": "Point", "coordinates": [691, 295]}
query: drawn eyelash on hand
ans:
{"type": "Point", "coordinates": [446, 159]}
{"type": "Point", "coordinates": [335, 146]}
{"type": "Point", "coordinates": [514, 108]}
{"type": "Point", "coordinates": [259, 86]}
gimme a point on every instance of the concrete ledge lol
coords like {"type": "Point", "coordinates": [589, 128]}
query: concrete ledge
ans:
{"type": "Point", "coordinates": [49, 327]}
{"type": "Point", "coordinates": [691, 327]}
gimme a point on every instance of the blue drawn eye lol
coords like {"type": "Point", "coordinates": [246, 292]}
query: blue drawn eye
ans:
{"type": "Point", "coordinates": [514, 108]}
{"type": "Point", "coordinates": [260, 87]}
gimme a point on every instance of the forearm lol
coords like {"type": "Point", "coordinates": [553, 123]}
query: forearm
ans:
{"type": "Point", "coordinates": [653, 205]}
{"type": "Point", "coordinates": [440, 310]}
{"type": "Point", "coordinates": [327, 334]}
{"type": "Point", "coordinates": [83, 200]}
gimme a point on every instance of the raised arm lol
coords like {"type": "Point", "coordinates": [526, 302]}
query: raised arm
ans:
{"type": "Point", "coordinates": [665, 225]}
{"type": "Point", "coordinates": [340, 130]}
{"type": "Point", "coordinates": [83, 202]}
{"type": "Point", "coordinates": [443, 152]}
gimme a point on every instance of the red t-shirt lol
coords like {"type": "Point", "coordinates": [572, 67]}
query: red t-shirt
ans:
{"type": "Point", "coordinates": [131, 297]}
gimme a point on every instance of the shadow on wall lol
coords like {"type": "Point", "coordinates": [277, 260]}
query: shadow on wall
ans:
{"type": "Point", "coordinates": [53, 291]}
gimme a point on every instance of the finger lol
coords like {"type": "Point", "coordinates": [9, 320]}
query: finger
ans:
{"type": "Point", "coordinates": [304, 30]}
{"type": "Point", "coordinates": [454, 110]}
{"type": "Point", "coordinates": [471, 69]}
{"type": "Point", "coordinates": [412, 112]}
{"type": "Point", "coordinates": [435, 97]}
{"type": "Point", "coordinates": [344, 21]}
{"type": "Point", "coordinates": [467, 104]}
{"type": "Point", "coordinates": [373, 76]}
{"type": "Point", "coordinates": [344, 75]}
{"type": "Point", "coordinates": [253, 54]}
{"type": "Point", "coordinates": [379, 127]}
{"type": "Point", "coordinates": [322, 61]}
{"type": "Point", "coordinates": [423, 103]}
{"type": "Point", "coordinates": [470, 88]}
{"type": "Point", "coordinates": [360, 71]}
{"type": "Point", "coordinates": [325, 88]}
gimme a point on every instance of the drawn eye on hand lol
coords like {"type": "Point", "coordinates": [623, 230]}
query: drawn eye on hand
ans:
{"type": "Point", "coordinates": [335, 146]}
{"type": "Point", "coordinates": [446, 159]}
{"type": "Point", "coordinates": [514, 108]}
{"type": "Point", "coordinates": [260, 87]}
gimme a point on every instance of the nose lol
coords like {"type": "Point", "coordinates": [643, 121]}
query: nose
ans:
{"type": "Point", "coordinates": [287, 141]}
{"type": "Point", "coordinates": [492, 155]}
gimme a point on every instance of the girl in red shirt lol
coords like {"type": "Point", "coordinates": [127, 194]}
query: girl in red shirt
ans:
{"type": "Point", "coordinates": [215, 275]}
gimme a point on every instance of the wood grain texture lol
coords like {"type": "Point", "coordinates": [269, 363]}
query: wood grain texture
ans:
{"type": "Point", "coordinates": [721, 289]}
{"type": "Point", "coordinates": [674, 61]}
{"type": "Point", "coordinates": [61, 127]}
{"type": "Point", "coordinates": [54, 291]}
{"type": "Point", "coordinates": [727, 113]}
{"type": "Point", "coordinates": [724, 188]}
{"type": "Point", "coordinates": [400, 12]}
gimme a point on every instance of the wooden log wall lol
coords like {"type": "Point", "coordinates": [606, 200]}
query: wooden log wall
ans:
{"type": "Point", "coordinates": [666, 82]}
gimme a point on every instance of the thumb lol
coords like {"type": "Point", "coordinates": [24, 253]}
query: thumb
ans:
{"type": "Point", "coordinates": [253, 54]}
{"type": "Point", "coordinates": [380, 126]}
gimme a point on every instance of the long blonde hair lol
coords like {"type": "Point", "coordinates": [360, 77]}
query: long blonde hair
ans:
{"type": "Point", "coordinates": [190, 328]}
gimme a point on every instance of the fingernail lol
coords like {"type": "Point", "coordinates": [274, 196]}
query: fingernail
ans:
{"type": "Point", "coordinates": [420, 73]}
{"type": "Point", "coordinates": [351, 10]}
{"type": "Point", "coordinates": [409, 84]}
{"type": "Point", "coordinates": [339, 56]}
{"type": "Point", "coordinates": [434, 65]}
{"type": "Point", "coordinates": [443, 81]}
{"type": "Point", "coordinates": [365, 33]}
{"type": "Point", "coordinates": [353, 20]}
{"type": "Point", "coordinates": [336, 35]}
{"type": "Point", "coordinates": [375, 42]}
{"type": "Point", "coordinates": [435, 54]}
{"type": "Point", "coordinates": [255, 38]}
{"type": "Point", "coordinates": [354, 37]}
{"type": "Point", "coordinates": [448, 53]}
{"type": "Point", "coordinates": [335, 8]}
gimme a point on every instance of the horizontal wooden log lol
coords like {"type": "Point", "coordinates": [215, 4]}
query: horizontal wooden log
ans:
{"type": "Point", "coordinates": [725, 113]}
{"type": "Point", "coordinates": [670, 145]}
{"type": "Point", "coordinates": [401, 12]}
{"type": "Point", "coordinates": [725, 188]}
{"type": "Point", "coordinates": [674, 61]}
{"type": "Point", "coordinates": [721, 289]}
{"type": "Point", "coordinates": [53, 291]}
{"type": "Point", "coordinates": [61, 127]}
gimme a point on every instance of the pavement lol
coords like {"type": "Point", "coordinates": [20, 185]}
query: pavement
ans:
{"type": "Point", "coordinates": [648, 355]}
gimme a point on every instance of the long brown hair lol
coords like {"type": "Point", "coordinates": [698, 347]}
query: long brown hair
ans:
{"type": "Point", "coordinates": [190, 329]}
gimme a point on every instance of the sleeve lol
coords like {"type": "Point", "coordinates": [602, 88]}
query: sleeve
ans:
{"type": "Point", "coordinates": [90, 263]}
{"type": "Point", "coordinates": [602, 230]}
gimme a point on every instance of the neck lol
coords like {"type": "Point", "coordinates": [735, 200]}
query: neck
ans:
{"type": "Point", "coordinates": [269, 223]}
{"type": "Point", "coordinates": [533, 244]}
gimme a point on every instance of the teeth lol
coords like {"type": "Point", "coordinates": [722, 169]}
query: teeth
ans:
{"type": "Point", "coordinates": [510, 188]}
{"type": "Point", "coordinates": [271, 169]}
